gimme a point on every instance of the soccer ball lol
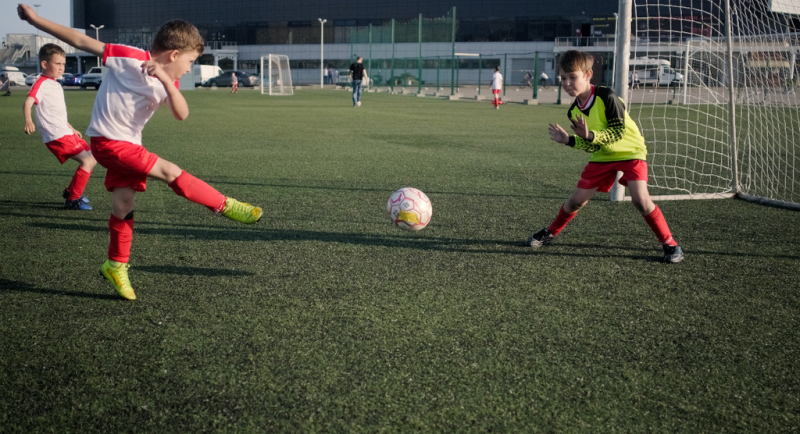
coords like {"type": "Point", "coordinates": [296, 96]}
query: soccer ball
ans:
{"type": "Point", "coordinates": [409, 209]}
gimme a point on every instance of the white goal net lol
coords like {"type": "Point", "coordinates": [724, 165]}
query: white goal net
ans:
{"type": "Point", "coordinates": [717, 98]}
{"type": "Point", "coordinates": [276, 77]}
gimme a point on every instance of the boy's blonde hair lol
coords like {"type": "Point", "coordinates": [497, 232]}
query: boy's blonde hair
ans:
{"type": "Point", "coordinates": [575, 60]}
{"type": "Point", "coordinates": [178, 35]}
{"type": "Point", "coordinates": [47, 52]}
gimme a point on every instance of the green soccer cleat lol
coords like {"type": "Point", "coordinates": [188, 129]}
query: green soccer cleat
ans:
{"type": "Point", "coordinates": [241, 212]}
{"type": "Point", "coordinates": [117, 273]}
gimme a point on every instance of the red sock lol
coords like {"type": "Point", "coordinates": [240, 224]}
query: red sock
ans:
{"type": "Point", "coordinates": [198, 191]}
{"type": "Point", "coordinates": [78, 184]}
{"type": "Point", "coordinates": [659, 226]}
{"type": "Point", "coordinates": [561, 221]}
{"type": "Point", "coordinates": [119, 249]}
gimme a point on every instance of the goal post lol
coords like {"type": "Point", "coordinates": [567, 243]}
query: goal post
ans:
{"type": "Point", "coordinates": [275, 77]}
{"type": "Point", "coordinates": [718, 105]}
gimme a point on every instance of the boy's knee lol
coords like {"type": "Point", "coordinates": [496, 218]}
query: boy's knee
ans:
{"type": "Point", "coordinates": [573, 205]}
{"type": "Point", "coordinates": [644, 207]}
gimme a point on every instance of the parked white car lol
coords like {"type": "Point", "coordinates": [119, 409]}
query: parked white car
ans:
{"type": "Point", "coordinates": [29, 80]}
{"type": "Point", "coordinates": [94, 77]}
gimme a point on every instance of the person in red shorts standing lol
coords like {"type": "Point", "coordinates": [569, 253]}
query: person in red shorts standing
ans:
{"type": "Point", "coordinates": [603, 128]}
{"type": "Point", "coordinates": [58, 135]}
{"type": "Point", "coordinates": [497, 86]}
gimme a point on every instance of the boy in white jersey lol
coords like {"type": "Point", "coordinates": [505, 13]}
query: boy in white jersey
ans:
{"type": "Point", "coordinates": [58, 135]}
{"type": "Point", "coordinates": [497, 86]}
{"type": "Point", "coordinates": [137, 83]}
{"type": "Point", "coordinates": [234, 83]}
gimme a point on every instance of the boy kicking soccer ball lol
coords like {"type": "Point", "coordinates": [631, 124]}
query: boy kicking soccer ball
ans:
{"type": "Point", "coordinates": [603, 127]}
{"type": "Point", "coordinates": [138, 82]}
{"type": "Point", "coordinates": [58, 135]}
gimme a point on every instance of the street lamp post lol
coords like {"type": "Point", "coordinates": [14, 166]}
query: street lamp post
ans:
{"type": "Point", "coordinates": [39, 63]}
{"type": "Point", "coordinates": [37, 13]}
{"type": "Point", "coordinates": [97, 36]}
{"type": "Point", "coordinates": [321, 56]}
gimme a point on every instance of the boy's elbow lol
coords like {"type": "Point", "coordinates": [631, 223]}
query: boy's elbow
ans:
{"type": "Point", "coordinates": [180, 113]}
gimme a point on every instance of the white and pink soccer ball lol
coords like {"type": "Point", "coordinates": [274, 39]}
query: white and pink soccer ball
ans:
{"type": "Point", "coordinates": [409, 209]}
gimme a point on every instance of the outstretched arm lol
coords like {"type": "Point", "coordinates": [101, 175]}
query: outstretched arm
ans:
{"type": "Point", "coordinates": [70, 36]}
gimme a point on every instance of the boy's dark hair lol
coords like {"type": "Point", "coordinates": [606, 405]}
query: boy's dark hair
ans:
{"type": "Point", "coordinates": [48, 50]}
{"type": "Point", "coordinates": [178, 35]}
{"type": "Point", "coordinates": [496, 69]}
{"type": "Point", "coordinates": [575, 60]}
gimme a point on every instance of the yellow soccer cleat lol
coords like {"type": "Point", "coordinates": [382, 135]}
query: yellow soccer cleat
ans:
{"type": "Point", "coordinates": [241, 212]}
{"type": "Point", "coordinates": [117, 273]}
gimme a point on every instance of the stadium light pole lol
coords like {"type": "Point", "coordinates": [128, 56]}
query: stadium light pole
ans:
{"type": "Point", "coordinates": [37, 13]}
{"type": "Point", "coordinates": [321, 52]}
{"type": "Point", "coordinates": [97, 36]}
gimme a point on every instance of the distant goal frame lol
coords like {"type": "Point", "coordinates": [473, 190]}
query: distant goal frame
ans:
{"type": "Point", "coordinates": [275, 75]}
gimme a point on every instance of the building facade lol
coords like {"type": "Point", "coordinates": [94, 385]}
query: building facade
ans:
{"type": "Point", "coordinates": [259, 22]}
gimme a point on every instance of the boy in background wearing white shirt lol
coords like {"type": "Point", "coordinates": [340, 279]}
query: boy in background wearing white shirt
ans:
{"type": "Point", "coordinates": [497, 85]}
{"type": "Point", "coordinates": [58, 135]}
{"type": "Point", "coordinates": [137, 83]}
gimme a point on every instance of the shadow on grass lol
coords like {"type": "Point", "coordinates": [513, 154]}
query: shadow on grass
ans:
{"type": "Point", "coordinates": [16, 205]}
{"type": "Point", "coordinates": [12, 285]}
{"type": "Point", "coordinates": [326, 185]}
{"type": "Point", "coordinates": [463, 245]}
{"type": "Point", "coordinates": [191, 271]}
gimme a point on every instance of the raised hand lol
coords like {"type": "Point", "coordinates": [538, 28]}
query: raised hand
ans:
{"type": "Point", "coordinates": [558, 134]}
{"type": "Point", "coordinates": [152, 68]}
{"type": "Point", "coordinates": [579, 126]}
{"type": "Point", "coordinates": [26, 13]}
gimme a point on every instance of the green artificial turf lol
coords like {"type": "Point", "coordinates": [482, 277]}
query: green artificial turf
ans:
{"type": "Point", "coordinates": [323, 317]}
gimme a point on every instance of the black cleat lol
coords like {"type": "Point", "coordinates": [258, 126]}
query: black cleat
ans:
{"type": "Point", "coordinates": [65, 195]}
{"type": "Point", "coordinates": [540, 238]}
{"type": "Point", "coordinates": [77, 205]}
{"type": "Point", "coordinates": [672, 254]}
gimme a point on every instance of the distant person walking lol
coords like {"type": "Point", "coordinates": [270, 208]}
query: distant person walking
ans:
{"type": "Point", "coordinates": [5, 85]}
{"type": "Point", "coordinates": [325, 76]}
{"type": "Point", "coordinates": [497, 85]}
{"type": "Point", "coordinates": [357, 75]}
{"type": "Point", "coordinates": [635, 80]}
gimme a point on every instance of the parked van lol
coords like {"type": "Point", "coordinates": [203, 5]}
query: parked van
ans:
{"type": "Point", "coordinates": [203, 72]}
{"type": "Point", "coordinates": [656, 72]}
{"type": "Point", "coordinates": [16, 76]}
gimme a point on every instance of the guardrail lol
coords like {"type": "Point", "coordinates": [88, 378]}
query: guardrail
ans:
{"type": "Point", "coordinates": [221, 45]}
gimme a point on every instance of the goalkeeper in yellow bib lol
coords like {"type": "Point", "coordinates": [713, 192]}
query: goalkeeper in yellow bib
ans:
{"type": "Point", "coordinates": [602, 127]}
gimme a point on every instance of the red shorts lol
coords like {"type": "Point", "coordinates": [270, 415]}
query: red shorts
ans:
{"type": "Point", "coordinates": [127, 164]}
{"type": "Point", "coordinates": [496, 91]}
{"type": "Point", "coordinates": [67, 147]}
{"type": "Point", "coordinates": [602, 175]}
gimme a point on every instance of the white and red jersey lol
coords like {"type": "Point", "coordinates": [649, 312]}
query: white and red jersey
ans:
{"type": "Point", "coordinates": [127, 98]}
{"type": "Point", "coordinates": [51, 110]}
{"type": "Point", "coordinates": [497, 81]}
